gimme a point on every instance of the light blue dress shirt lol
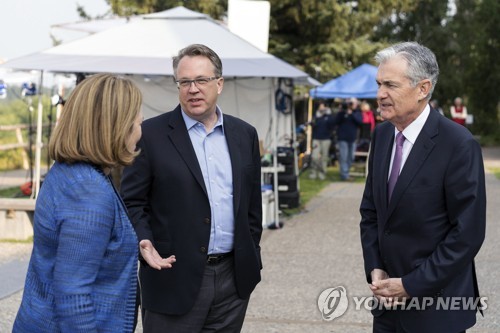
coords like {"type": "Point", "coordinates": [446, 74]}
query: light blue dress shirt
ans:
{"type": "Point", "coordinates": [215, 163]}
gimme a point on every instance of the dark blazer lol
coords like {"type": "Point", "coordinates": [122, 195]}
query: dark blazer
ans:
{"type": "Point", "coordinates": [435, 223]}
{"type": "Point", "coordinates": [168, 203]}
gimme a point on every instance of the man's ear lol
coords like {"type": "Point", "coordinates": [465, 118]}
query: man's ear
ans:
{"type": "Point", "coordinates": [220, 85]}
{"type": "Point", "coordinates": [424, 87]}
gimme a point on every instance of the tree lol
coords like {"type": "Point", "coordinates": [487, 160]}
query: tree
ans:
{"type": "Point", "coordinates": [476, 31]}
{"type": "Point", "coordinates": [466, 46]}
{"type": "Point", "coordinates": [425, 22]}
{"type": "Point", "coordinates": [330, 37]}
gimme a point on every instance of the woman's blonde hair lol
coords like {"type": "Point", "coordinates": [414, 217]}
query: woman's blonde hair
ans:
{"type": "Point", "coordinates": [96, 122]}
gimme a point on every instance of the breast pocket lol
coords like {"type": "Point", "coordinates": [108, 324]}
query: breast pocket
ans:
{"type": "Point", "coordinates": [424, 189]}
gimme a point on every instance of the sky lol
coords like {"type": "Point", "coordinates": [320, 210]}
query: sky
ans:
{"type": "Point", "coordinates": [25, 24]}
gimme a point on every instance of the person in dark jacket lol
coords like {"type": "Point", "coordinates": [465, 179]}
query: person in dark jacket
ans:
{"type": "Point", "coordinates": [423, 212]}
{"type": "Point", "coordinates": [347, 123]}
{"type": "Point", "coordinates": [194, 192]}
{"type": "Point", "coordinates": [322, 130]}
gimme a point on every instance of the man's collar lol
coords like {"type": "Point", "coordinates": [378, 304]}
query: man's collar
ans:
{"type": "Point", "coordinates": [412, 131]}
{"type": "Point", "coordinates": [190, 122]}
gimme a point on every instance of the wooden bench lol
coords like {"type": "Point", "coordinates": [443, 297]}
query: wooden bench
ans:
{"type": "Point", "coordinates": [16, 218]}
{"type": "Point", "coordinates": [23, 204]}
{"type": "Point", "coordinates": [364, 172]}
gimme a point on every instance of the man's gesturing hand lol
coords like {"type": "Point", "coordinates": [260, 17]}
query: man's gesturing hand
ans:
{"type": "Point", "coordinates": [152, 257]}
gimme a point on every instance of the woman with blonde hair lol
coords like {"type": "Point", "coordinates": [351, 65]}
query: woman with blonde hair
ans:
{"type": "Point", "coordinates": [82, 275]}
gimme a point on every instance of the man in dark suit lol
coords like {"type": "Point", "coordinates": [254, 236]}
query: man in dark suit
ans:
{"type": "Point", "coordinates": [194, 192]}
{"type": "Point", "coordinates": [424, 205]}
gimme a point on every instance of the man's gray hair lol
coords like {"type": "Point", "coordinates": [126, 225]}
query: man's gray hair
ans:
{"type": "Point", "coordinates": [199, 50]}
{"type": "Point", "coordinates": [422, 63]}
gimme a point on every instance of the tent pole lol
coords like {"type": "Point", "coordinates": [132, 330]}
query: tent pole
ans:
{"type": "Point", "coordinates": [309, 126]}
{"type": "Point", "coordinates": [274, 120]}
{"type": "Point", "coordinates": [38, 144]}
{"type": "Point", "coordinates": [294, 137]}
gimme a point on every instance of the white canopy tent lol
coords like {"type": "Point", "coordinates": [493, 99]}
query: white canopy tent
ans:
{"type": "Point", "coordinates": [143, 49]}
{"type": "Point", "coordinates": [147, 45]}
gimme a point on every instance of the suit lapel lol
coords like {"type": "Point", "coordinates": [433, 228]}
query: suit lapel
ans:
{"type": "Point", "coordinates": [182, 143]}
{"type": "Point", "coordinates": [419, 153]}
{"type": "Point", "coordinates": [233, 144]}
{"type": "Point", "coordinates": [387, 136]}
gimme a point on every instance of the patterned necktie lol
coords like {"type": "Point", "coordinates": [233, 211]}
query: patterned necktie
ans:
{"type": "Point", "coordinates": [396, 163]}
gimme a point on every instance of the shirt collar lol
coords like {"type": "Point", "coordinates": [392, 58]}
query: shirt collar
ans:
{"type": "Point", "coordinates": [413, 130]}
{"type": "Point", "coordinates": [190, 122]}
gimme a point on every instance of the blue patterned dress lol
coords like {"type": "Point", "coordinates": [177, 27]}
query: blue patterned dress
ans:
{"type": "Point", "coordinates": [82, 275]}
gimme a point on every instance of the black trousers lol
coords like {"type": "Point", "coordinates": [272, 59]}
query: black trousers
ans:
{"type": "Point", "coordinates": [217, 308]}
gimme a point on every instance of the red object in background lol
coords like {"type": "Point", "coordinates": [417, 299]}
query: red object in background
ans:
{"type": "Point", "coordinates": [26, 188]}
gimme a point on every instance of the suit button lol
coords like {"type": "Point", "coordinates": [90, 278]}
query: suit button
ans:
{"type": "Point", "coordinates": [206, 220]}
{"type": "Point", "coordinates": [387, 233]}
{"type": "Point", "coordinates": [203, 249]}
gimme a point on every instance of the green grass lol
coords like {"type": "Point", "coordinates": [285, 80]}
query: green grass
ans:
{"type": "Point", "coordinates": [11, 192]}
{"type": "Point", "coordinates": [28, 240]}
{"type": "Point", "coordinates": [496, 172]}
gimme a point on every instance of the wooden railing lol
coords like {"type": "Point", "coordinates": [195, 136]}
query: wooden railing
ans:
{"type": "Point", "coordinates": [20, 140]}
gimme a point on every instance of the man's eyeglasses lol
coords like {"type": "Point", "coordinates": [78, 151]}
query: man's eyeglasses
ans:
{"type": "Point", "coordinates": [199, 82]}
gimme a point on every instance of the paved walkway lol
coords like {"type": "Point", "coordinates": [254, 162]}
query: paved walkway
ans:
{"type": "Point", "coordinates": [320, 249]}
{"type": "Point", "coordinates": [13, 274]}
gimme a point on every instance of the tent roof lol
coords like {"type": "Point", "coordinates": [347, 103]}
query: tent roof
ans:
{"type": "Point", "coordinates": [93, 26]}
{"type": "Point", "coordinates": [99, 25]}
{"type": "Point", "coordinates": [359, 83]}
{"type": "Point", "coordinates": [147, 45]}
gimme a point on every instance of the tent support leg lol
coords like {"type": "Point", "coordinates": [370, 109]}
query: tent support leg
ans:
{"type": "Point", "coordinates": [38, 144]}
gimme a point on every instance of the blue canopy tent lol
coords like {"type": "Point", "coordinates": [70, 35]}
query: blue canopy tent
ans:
{"type": "Point", "coordinates": [359, 83]}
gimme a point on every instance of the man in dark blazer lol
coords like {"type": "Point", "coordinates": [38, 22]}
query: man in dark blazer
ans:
{"type": "Point", "coordinates": [420, 236]}
{"type": "Point", "coordinates": [194, 192]}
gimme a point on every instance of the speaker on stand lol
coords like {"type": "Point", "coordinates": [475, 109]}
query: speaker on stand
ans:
{"type": "Point", "coordinates": [288, 192]}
